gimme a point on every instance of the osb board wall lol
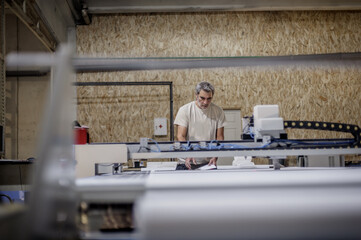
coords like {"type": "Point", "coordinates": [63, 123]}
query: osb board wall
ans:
{"type": "Point", "coordinates": [125, 113]}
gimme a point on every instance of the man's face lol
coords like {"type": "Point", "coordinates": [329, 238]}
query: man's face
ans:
{"type": "Point", "coordinates": [203, 99]}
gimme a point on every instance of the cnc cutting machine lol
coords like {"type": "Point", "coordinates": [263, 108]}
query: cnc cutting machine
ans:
{"type": "Point", "coordinates": [232, 202]}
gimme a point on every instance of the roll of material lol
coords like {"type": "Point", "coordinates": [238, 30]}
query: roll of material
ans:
{"type": "Point", "coordinates": [298, 209]}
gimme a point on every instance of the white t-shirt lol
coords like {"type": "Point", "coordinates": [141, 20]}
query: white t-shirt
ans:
{"type": "Point", "coordinates": [201, 124]}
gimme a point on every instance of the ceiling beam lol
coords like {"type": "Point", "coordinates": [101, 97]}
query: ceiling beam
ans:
{"type": "Point", "coordinates": [30, 17]}
{"type": "Point", "coordinates": [119, 6]}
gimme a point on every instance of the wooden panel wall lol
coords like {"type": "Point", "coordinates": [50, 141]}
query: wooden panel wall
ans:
{"type": "Point", "coordinates": [125, 113]}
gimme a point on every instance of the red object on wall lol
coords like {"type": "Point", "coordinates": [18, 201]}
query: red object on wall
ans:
{"type": "Point", "coordinates": [81, 135]}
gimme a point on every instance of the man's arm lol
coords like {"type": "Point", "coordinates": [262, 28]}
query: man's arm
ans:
{"type": "Point", "coordinates": [219, 136]}
{"type": "Point", "coordinates": [182, 136]}
{"type": "Point", "coordinates": [182, 133]}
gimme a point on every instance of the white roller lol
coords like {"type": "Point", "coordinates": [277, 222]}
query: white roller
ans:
{"type": "Point", "coordinates": [318, 204]}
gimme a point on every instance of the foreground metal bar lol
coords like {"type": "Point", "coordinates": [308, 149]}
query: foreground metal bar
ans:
{"type": "Point", "coordinates": [83, 64]}
{"type": "Point", "coordinates": [136, 64]}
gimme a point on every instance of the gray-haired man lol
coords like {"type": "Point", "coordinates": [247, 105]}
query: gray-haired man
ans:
{"type": "Point", "coordinates": [200, 120]}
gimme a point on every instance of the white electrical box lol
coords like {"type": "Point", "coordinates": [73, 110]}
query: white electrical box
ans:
{"type": "Point", "coordinates": [160, 126]}
{"type": "Point", "coordinates": [267, 121]}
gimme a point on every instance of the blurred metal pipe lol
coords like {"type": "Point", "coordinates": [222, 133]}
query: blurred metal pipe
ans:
{"type": "Point", "coordinates": [53, 200]}
{"type": "Point", "coordinates": [83, 64]}
{"type": "Point", "coordinates": [138, 64]}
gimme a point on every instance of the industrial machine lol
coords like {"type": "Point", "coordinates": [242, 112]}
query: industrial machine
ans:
{"type": "Point", "coordinates": [231, 202]}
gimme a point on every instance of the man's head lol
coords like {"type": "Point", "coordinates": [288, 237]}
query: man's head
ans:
{"type": "Point", "coordinates": [204, 94]}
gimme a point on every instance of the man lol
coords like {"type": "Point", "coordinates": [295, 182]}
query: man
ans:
{"type": "Point", "coordinates": [200, 120]}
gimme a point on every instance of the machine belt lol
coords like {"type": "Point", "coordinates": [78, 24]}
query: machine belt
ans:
{"type": "Point", "coordinates": [328, 126]}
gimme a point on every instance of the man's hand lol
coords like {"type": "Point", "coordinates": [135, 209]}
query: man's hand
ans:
{"type": "Point", "coordinates": [213, 161]}
{"type": "Point", "coordinates": [188, 162]}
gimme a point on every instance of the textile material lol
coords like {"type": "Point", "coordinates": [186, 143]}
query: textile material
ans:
{"type": "Point", "coordinates": [182, 166]}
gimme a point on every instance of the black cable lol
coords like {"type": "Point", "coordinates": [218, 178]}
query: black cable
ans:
{"type": "Point", "coordinates": [7, 196]}
{"type": "Point", "coordinates": [140, 148]}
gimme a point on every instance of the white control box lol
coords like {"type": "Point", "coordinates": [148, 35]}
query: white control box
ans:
{"type": "Point", "coordinates": [160, 126]}
{"type": "Point", "coordinates": [267, 121]}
